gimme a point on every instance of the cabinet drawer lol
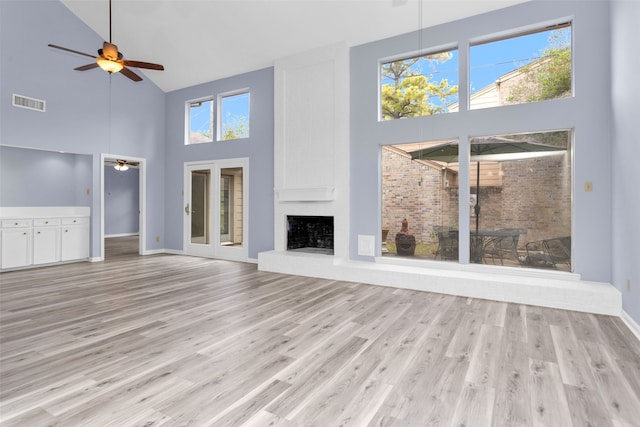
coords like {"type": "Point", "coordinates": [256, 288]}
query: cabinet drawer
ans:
{"type": "Point", "coordinates": [16, 223]}
{"type": "Point", "coordinates": [75, 221]}
{"type": "Point", "coordinates": [46, 222]}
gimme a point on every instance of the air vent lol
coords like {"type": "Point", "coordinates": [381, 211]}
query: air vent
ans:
{"type": "Point", "coordinates": [29, 103]}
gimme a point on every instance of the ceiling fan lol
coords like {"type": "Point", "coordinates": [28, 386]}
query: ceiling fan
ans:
{"type": "Point", "coordinates": [122, 165]}
{"type": "Point", "coordinates": [111, 60]}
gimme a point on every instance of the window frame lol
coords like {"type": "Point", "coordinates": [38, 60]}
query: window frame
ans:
{"type": "Point", "coordinates": [472, 128]}
{"type": "Point", "coordinates": [513, 33]}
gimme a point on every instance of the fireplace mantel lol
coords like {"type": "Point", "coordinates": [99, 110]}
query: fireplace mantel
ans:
{"type": "Point", "coordinates": [314, 194]}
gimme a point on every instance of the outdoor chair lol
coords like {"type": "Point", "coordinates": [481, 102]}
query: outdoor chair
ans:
{"type": "Point", "coordinates": [447, 243]}
{"type": "Point", "coordinates": [549, 252]}
{"type": "Point", "coordinates": [504, 246]}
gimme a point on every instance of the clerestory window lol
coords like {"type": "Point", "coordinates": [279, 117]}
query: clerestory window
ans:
{"type": "Point", "coordinates": [200, 123]}
{"type": "Point", "coordinates": [528, 67]}
{"type": "Point", "coordinates": [221, 118]}
{"type": "Point", "coordinates": [234, 115]}
{"type": "Point", "coordinates": [419, 85]}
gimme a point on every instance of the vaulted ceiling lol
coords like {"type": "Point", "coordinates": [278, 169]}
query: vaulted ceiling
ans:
{"type": "Point", "coordinates": [203, 40]}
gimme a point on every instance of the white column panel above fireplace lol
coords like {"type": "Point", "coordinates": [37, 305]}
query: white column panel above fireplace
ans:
{"type": "Point", "coordinates": [307, 141]}
{"type": "Point", "coordinates": [311, 175]}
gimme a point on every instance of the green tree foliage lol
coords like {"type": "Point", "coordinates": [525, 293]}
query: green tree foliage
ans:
{"type": "Point", "coordinates": [550, 76]}
{"type": "Point", "coordinates": [236, 128]}
{"type": "Point", "coordinates": [410, 93]}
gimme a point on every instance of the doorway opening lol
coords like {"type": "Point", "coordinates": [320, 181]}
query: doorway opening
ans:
{"type": "Point", "coordinates": [122, 206]}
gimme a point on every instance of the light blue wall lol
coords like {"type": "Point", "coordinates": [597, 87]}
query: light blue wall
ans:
{"type": "Point", "coordinates": [258, 148]}
{"type": "Point", "coordinates": [121, 201]}
{"type": "Point", "coordinates": [44, 178]}
{"type": "Point", "coordinates": [586, 112]}
{"type": "Point", "coordinates": [625, 149]}
{"type": "Point", "coordinates": [87, 112]}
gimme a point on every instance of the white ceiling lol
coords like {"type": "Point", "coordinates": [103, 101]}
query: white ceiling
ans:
{"type": "Point", "coordinates": [203, 40]}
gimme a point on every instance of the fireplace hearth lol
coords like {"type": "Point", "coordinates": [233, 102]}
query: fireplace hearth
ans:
{"type": "Point", "coordinates": [312, 234]}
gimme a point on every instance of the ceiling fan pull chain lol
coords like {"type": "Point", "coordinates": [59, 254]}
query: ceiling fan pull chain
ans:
{"type": "Point", "coordinates": [109, 21]}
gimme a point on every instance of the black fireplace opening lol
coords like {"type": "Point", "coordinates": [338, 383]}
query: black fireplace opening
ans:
{"type": "Point", "coordinates": [312, 234]}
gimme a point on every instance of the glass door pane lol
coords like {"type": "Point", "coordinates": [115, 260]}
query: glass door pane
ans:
{"type": "Point", "coordinates": [200, 184]}
{"type": "Point", "coordinates": [231, 207]}
{"type": "Point", "coordinates": [226, 184]}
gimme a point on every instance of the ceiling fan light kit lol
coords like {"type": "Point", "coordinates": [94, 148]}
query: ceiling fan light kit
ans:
{"type": "Point", "coordinates": [121, 166]}
{"type": "Point", "coordinates": [111, 60]}
{"type": "Point", "coordinates": [109, 66]}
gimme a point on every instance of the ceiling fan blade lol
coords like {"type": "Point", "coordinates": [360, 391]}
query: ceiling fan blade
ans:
{"type": "Point", "coordinates": [87, 67]}
{"type": "Point", "coordinates": [71, 50]}
{"type": "Point", "coordinates": [110, 50]}
{"type": "Point", "coordinates": [133, 76]}
{"type": "Point", "coordinates": [140, 64]}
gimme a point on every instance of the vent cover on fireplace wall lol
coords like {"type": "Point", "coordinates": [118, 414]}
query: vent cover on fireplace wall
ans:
{"type": "Point", "coordinates": [29, 103]}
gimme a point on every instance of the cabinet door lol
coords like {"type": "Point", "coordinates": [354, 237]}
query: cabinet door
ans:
{"type": "Point", "coordinates": [16, 247]}
{"type": "Point", "coordinates": [46, 245]}
{"type": "Point", "coordinates": [75, 242]}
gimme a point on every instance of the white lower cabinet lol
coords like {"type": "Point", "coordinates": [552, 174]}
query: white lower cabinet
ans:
{"type": "Point", "coordinates": [75, 238]}
{"type": "Point", "coordinates": [16, 246]}
{"type": "Point", "coordinates": [36, 236]}
{"type": "Point", "coordinates": [46, 241]}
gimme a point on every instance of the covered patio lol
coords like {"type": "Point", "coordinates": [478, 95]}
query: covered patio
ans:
{"type": "Point", "coordinates": [525, 219]}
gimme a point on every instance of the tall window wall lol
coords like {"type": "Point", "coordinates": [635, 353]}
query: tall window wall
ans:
{"type": "Point", "coordinates": [519, 187]}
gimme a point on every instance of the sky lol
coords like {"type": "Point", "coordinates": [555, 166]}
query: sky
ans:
{"type": "Point", "coordinates": [492, 60]}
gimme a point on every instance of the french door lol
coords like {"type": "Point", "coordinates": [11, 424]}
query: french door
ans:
{"type": "Point", "coordinates": [216, 209]}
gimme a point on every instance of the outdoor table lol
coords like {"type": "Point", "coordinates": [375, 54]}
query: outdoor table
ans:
{"type": "Point", "coordinates": [481, 239]}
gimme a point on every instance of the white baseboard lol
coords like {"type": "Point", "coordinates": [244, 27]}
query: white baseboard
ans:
{"type": "Point", "coordinates": [96, 259]}
{"type": "Point", "coordinates": [107, 236]}
{"type": "Point", "coordinates": [631, 324]}
{"type": "Point", "coordinates": [172, 251]}
{"type": "Point", "coordinates": [154, 252]}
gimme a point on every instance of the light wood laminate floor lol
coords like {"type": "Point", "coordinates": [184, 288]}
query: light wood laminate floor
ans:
{"type": "Point", "coordinates": [176, 341]}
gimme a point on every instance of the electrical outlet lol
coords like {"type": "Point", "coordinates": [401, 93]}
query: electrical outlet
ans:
{"type": "Point", "coordinates": [157, 239]}
{"type": "Point", "coordinates": [588, 186]}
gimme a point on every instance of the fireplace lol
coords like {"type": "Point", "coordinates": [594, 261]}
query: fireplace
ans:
{"type": "Point", "coordinates": [313, 234]}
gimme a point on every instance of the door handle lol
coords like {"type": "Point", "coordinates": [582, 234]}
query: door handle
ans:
{"type": "Point", "coordinates": [186, 209]}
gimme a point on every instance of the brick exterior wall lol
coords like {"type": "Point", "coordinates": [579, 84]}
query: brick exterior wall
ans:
{"type": "Point", "coordinates": [538, 193]}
